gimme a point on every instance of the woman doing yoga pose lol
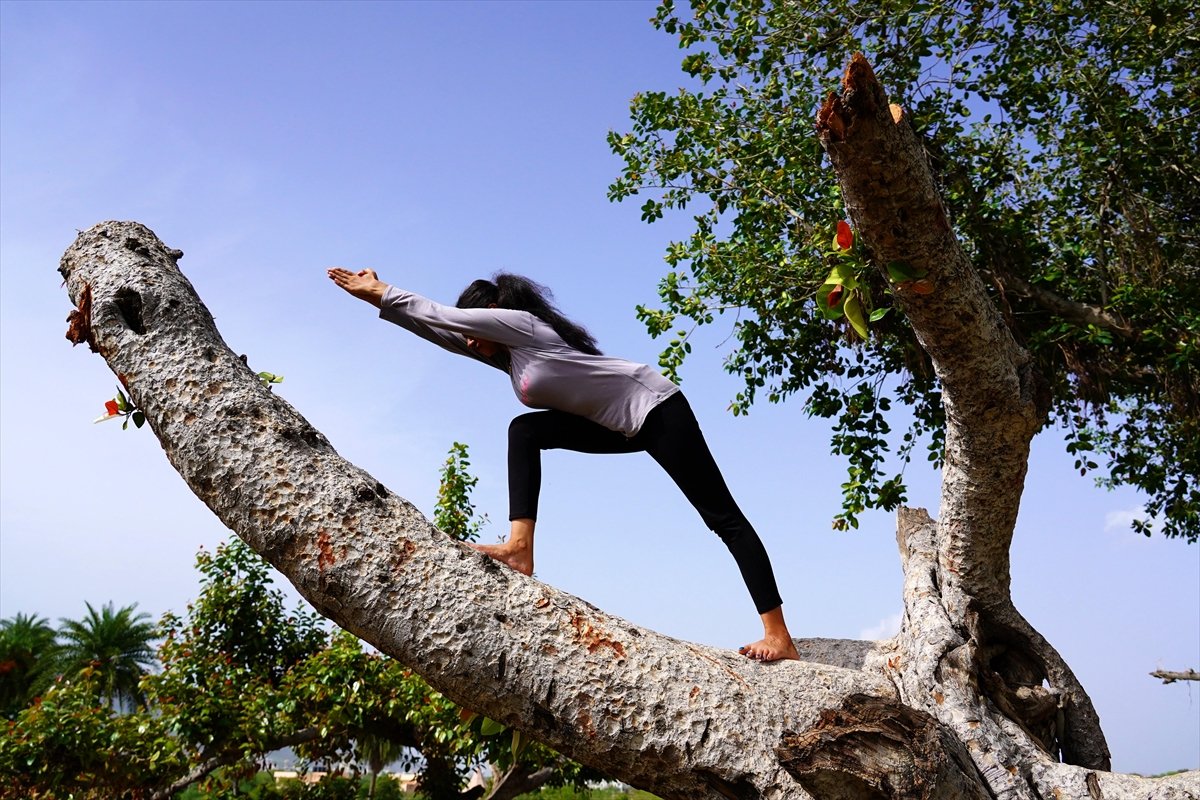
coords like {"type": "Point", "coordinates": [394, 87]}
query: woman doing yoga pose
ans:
{"type": "Point", "coordinates": [594, 404]}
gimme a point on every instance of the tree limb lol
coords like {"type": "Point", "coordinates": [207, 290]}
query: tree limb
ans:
{"type": "Point", "coordinates": [592, 686]}
{"type": "Point", "coordinates": [520, 779]}
{"type": "Point", "coordinates": [231, 756]}
{"type": "Point", "coordinates": [1171, 677]}
{"type": "Point", "coordinates": [1082, 314]}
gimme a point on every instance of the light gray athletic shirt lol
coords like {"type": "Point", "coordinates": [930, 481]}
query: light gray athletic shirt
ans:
{"type": "Point", "coordinates": [546, 372]}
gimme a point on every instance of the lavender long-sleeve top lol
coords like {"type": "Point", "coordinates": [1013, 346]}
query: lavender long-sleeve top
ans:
{"type": "Point", "coordinates": [545, 371]}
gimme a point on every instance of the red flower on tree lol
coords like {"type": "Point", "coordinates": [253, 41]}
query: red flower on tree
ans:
{"type": "Point", "coordinates": [845, 236]}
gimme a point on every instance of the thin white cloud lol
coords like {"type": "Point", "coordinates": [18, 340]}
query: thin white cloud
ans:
{"type": "Point", "coordinates": [1123, 520]}
{"type": "Point", "coordinates": [887, 628]}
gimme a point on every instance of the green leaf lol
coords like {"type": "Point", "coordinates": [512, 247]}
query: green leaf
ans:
{"type": "Point", "coordinates": [518, 744]}
{"type": "Point", "coordinates": [900, 272]}
{"type": "Point", "coordinates": [854, 313]}
{"type": "Point", "coordinates": [880, 313]}
{"type": "Point", "coordinates": [122, 401]}
{"type": "Point", "coordinates": [490, 727]}
{"type": "Point", "coordinates": [139, 419]}
{"type": "Point", "coordinates": [848, 274]}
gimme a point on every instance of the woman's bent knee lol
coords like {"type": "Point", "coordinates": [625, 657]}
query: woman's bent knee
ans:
{"type": "Point", "coordinates": [524, 427]}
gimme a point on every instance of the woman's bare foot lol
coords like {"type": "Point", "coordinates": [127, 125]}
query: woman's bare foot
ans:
{"type": "Point", "coordinates": [776, 644]}
{"type": "Point", "coordinates": [517, 552]}
{"type": "Point", "coordinates": [771, 649]}
{"type": "Point", "coordinates": [514, 555]}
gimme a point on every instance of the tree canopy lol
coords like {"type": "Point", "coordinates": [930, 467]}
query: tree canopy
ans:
{"type": "Point", "coordinates": [1063, 141]}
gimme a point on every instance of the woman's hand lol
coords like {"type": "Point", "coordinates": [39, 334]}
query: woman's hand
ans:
{"type": "Point", "coordinates": [364, 284]}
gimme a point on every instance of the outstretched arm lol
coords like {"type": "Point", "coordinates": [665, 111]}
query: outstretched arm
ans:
{"type": "Point", "coordinates": [364, 284]}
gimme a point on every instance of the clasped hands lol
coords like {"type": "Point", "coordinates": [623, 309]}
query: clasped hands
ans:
{"type": "Point", "coordinates": [364, 284]}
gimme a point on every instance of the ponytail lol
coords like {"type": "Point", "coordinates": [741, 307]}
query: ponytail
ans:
{"type": "Point", "coordinates": [521, 294]}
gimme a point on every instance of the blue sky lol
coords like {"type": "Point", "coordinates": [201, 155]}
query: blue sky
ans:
{"type": "Point", "coordinates": [437, 143]}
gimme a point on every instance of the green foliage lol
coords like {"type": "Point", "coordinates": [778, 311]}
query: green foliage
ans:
{"type": "Point", "coordinates": [241, 677]}
{"type": "Point", "coordinates": [263, 786]}
{"type": "Point", "coordinates": [227, 659]}
{"type": "Point", "coordinates": [269, 378]}
{"type": "Point", "coordinates": [1063, 140]}
{"type": "Point", "coordinates": [28, 651]}
{"type": "Point", "coordinates": [115, 645]}
{"type": "Point", "coordinates": [67, 745]}
{"type": "Point", "coordinates": [454, 512]}
{"type": "Point", "coordinates": [575, 793]}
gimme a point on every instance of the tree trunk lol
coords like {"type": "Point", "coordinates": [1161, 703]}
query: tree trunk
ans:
{"type": "Point", "coordinates": [955, 706]}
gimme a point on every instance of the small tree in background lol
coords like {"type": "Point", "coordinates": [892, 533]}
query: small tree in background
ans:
{"type": "Point", "coordinates": [454, 512]}
{"type": "Point", "coordinates": [116, 645]}
{"type": "Point", "coordinates": [28, 647]}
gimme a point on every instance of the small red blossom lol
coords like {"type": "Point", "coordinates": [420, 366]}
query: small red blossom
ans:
{"type": "Point", "coordinates": [835, 296]}
{"type": "Point", "coordinates": [111, 411]}
{"type": "Point", "coordinates": [845, 236]}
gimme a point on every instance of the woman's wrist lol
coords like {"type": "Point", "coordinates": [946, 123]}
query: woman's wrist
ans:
{"type": "Point", "coordinates": [374, 293]}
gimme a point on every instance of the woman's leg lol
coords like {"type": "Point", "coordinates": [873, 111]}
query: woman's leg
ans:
{"type": "Point", "coordinates": [528, 436]}
{"type": "Point", "coordinates": [673, 438]}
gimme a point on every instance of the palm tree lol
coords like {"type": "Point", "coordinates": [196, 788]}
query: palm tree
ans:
{"type": "Point", "coordinates": [28, 647]}
{"type": "Point", "coordinates": [378, 752]}
{"type": "Point", "coordinates": [115, 645]}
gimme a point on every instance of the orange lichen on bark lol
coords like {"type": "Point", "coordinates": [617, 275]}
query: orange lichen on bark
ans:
{"type": "Point", "coordinates": [405, 553]}
{"type": "Point", "coordinates": [325, 557]}
{"type": "Point", "coordinates": [593, 637]}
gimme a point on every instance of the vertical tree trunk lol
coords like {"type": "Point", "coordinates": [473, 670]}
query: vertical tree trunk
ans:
{"type": "Point", "coordinates": [995, 401]}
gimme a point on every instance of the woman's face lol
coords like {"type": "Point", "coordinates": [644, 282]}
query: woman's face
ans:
{"type": "Point", "coordinates": [483, 347]}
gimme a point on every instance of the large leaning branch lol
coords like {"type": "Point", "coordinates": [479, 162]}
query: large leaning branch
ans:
{"type": "Point", "coordinates": [680, 719]}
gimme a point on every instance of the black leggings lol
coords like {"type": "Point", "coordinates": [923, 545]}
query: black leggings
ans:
{"type": "Point", "coordinates": [672, 437]}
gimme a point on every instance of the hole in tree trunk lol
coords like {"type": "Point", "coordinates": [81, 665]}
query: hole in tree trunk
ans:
{"type": "Point", "coordinates": [129, 304]}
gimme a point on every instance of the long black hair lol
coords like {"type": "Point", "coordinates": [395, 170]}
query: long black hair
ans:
{"type": "Point", "coordinates": [517, 292]}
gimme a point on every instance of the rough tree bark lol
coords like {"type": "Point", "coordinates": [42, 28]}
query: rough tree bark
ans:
{"type": "Point", "coordinates": [967, 702]}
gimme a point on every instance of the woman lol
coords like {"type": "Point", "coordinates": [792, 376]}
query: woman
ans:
{"type": "Point", "coordinates": [596, 404]}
